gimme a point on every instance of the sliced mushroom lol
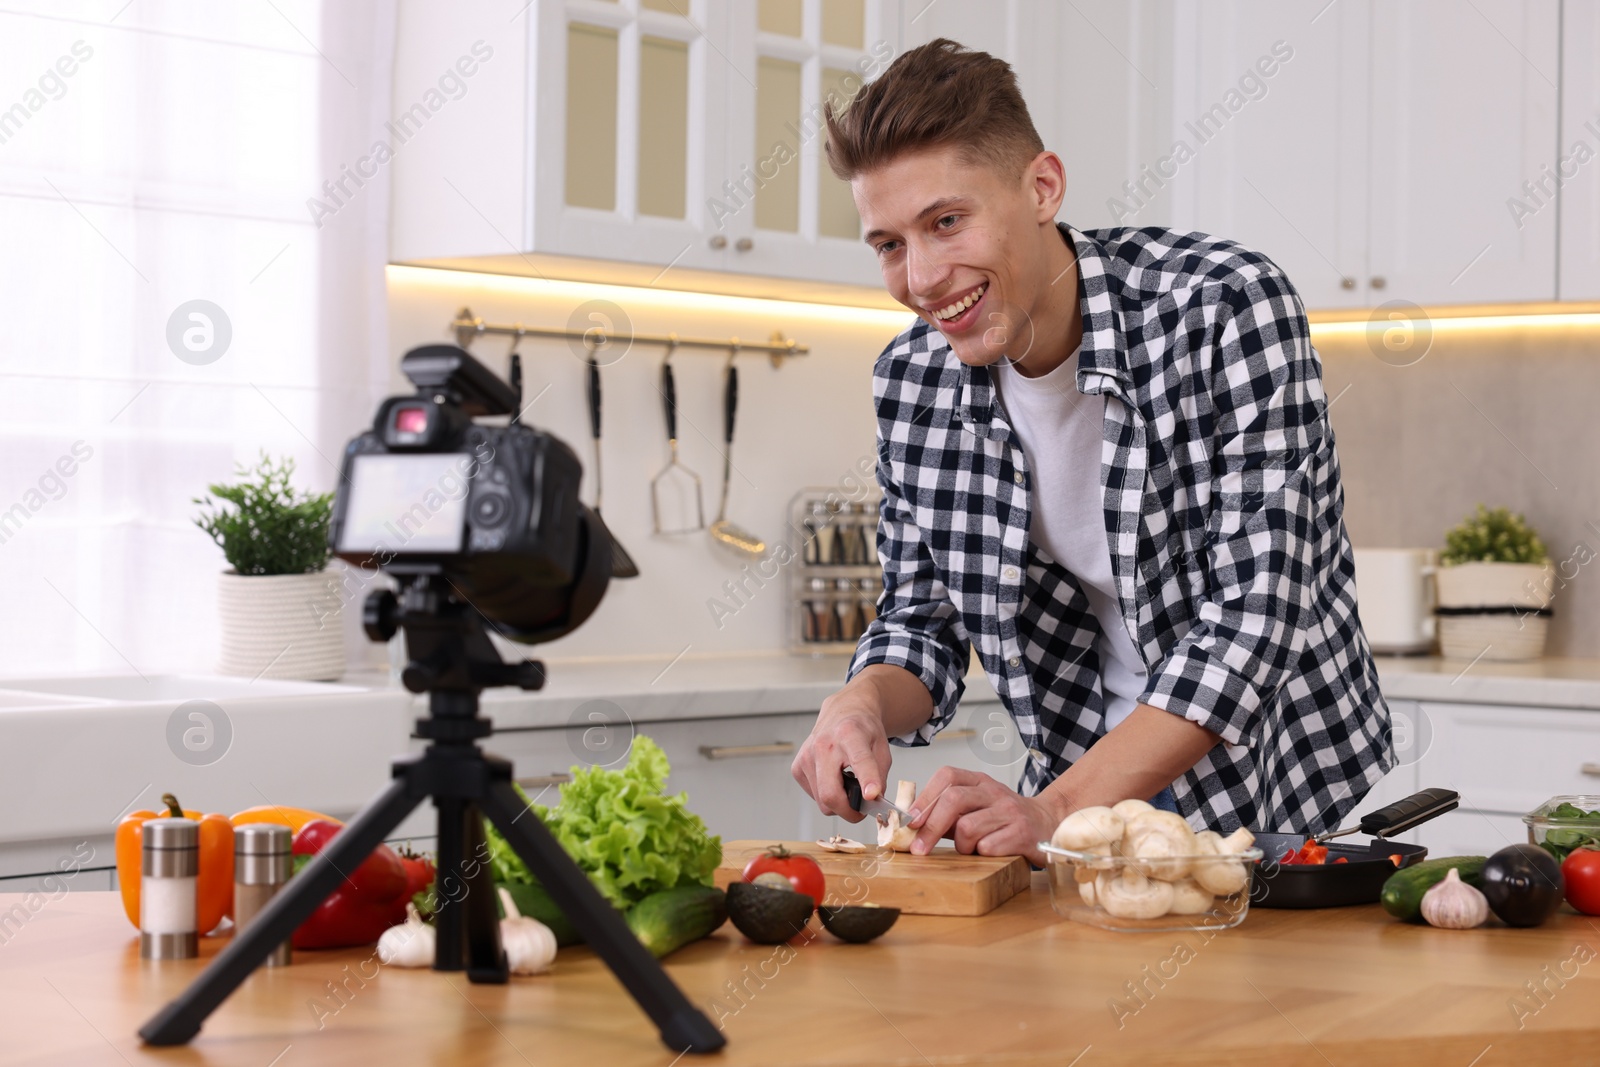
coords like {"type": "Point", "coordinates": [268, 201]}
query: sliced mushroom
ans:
{"type": "Point", "coordinates": [840, 844]}
{"type": "Point", "coordinates": [1130, 895]}
{"type": "Point", "coordinates": [1086, 891]}
{"type": "Point", "coordinates": [890, 833]}
{"type": "Point", "coordinates": [1188, 898]}
{"type": "Point", "coordinates": [1163, 841]}
{"type": "Point", "coordinates": [1097, 830]}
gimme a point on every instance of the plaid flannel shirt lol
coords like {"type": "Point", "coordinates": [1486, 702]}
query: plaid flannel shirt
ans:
{"type": "Point", "coordinates": [1224, 519]}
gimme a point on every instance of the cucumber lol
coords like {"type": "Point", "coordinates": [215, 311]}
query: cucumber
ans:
{"type": "Point", "coordinates": [1402, 893]}
{"type": "Point", "coordinates": [667, 920]}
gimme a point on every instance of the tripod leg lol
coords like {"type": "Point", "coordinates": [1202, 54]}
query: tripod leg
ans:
{"type": "Point", "coordinates": [466, 923]}
{"type": "Point", "coordinates": [684, 1028]}
{"type": "Point", "coordinates": [180, 1020]}
{"type": "Point", "coordinates": [486, 958]}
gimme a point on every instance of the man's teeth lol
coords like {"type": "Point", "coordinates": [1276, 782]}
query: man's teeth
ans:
{"type": "Point", "coordinates": [961, 305]}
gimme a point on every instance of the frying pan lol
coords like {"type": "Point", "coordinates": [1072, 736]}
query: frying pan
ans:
{"type": "Point", "coordinates": [1360, 879]}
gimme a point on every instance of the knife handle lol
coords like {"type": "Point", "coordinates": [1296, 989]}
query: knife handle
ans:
{"type": "Point", "coordinates": [1404, 814]}
{"type": "Point", "coordinates": [852, 789]}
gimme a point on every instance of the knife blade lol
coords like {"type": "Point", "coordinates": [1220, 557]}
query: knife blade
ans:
{"type": "Point", "coordinates": [879, 809]}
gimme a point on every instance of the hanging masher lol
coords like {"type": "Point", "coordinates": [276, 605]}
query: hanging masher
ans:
{"type": "Point", "coordinates": [675, 481]}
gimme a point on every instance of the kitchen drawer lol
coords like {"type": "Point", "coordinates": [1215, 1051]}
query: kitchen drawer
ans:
{"type": "Point", "coordinates": [1510, 759]}
{"type": "Point", "coordinates": [1469, 833]}
{"type": "Point", "coordinates": [982, 737]}
{"type": "Point", "coordinates": [734, 770]}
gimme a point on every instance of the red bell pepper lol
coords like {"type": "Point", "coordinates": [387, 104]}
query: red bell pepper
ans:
{"type": "Point", "coordinates": [372, 898]}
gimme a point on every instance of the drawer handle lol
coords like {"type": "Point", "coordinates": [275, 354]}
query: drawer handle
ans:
{"type": "Point", "coordinates": [545, 781]}
{"type": "Point", "coordinates": [955, 735]}
{"type": "Point", "coordinates": [1591, 769]}
{"type": "Point", "coordinates": [774, 748]}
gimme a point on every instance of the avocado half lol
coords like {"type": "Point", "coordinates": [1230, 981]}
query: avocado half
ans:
{"type": "Point", "coordinates": [858, 923]}
{"type": "Point", "coordinates": [766, 915]}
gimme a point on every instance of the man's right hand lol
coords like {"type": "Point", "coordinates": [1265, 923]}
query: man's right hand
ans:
{"type": "Point", "coordinates": [853, 730]}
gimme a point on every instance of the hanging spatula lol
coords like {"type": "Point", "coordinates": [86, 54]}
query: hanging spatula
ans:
{"type": "Point", "coordinates": [622, 565]}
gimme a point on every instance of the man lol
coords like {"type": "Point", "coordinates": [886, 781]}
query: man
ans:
{"type": "Point", "coordinates": [1106, 464]}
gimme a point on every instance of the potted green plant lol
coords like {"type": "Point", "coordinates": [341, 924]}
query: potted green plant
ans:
{"type": "Point", "coordinates": [1495, 581]}
{"type": "Point", "coordinates": [279, 606]}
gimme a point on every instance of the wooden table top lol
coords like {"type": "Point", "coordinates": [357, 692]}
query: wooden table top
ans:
{"type": "Point", "coordinates": [1016, 986]}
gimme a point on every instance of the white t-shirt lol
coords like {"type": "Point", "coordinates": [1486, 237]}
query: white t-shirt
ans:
{"type": "Point", "coordinates": [1061, 430]}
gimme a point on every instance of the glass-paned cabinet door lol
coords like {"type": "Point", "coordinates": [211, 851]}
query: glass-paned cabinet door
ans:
{"type": "Point", "coordinates": [782, 208]}
{"type": "Point", "coordinates": [630, 136]}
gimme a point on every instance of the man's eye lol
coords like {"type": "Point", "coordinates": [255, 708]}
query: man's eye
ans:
{"type": "Point", "coordinates": [947, 221]}
{"type": "Point", "coordinates": [887, 247]}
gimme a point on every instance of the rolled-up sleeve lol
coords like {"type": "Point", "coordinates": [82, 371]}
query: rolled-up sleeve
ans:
{"type": "Point", "coordinates": [1270, 418]}
{"type": "Point", "coordinates": [917, 627]}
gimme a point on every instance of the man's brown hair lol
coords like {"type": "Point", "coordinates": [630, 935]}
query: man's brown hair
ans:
{"type": "Point", "coordinates": [941, 93]}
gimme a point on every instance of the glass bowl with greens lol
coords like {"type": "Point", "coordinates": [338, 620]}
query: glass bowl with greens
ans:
{"type": "Point", "coordinates": [1564, 823]}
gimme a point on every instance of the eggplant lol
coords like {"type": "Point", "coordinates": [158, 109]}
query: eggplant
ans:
{"type": "Point", "coordinates": [1522, 884]}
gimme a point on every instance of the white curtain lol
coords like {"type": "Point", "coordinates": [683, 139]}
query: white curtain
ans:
{"type": "Point", "coordinates": [153, 155]}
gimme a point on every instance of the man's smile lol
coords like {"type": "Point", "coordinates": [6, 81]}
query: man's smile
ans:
{"type": "Point", "coordinates": [957, 315]}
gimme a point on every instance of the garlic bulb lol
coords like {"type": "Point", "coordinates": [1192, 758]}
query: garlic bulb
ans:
{"type": "Point", "coordinates": [530, 946]}
{"type": "Point", "coordinates": [1454, 905]}
{"type": "Point", "coordinates": [408, 945]}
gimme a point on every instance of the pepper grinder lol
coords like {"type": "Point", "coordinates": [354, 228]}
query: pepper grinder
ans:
{"type": "Point", "coordinates": [168, 886]}
{"type": "Point", "coordinates": [261, 865]}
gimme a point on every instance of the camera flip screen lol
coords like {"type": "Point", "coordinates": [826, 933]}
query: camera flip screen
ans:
{"type": "Point", "coordinates": [406, 503]}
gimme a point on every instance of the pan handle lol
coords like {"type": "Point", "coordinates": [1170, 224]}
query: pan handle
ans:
{"type": "Point", "coordinates": [1415, 809]}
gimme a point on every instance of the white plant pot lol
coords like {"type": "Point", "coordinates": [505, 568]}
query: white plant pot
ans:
{"type": "Point", "coordinates": [1488, 610]}
{"type": "Point", "coordinates": [281, 626]}
{"type": "Point", "coordinates": [1496, 585]}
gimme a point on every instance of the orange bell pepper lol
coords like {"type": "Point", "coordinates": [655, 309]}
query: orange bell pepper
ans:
{"type": "Point", "coordinates": [294, 818]}
{"type": "Point", "coordinates": [214, 892]}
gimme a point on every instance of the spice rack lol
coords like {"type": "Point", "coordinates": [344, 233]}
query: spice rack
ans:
{"type": "Point", "coordinates": [835, 583]}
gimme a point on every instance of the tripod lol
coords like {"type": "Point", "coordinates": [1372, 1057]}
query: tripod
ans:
{"type": "Point", "coordinates": [453, 661]}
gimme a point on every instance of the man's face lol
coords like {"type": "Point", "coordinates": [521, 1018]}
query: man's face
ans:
{"type": "Point", "coordinates": [959, 244]}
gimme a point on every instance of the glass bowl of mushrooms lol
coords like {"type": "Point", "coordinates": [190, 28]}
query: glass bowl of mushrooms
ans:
{"type": "Point", "coordinates": [1134, 867]}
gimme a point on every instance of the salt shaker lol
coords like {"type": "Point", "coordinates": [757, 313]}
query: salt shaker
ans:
{"type": "Point", "coordinates": [261, 865]}
{"type": "Point", "coordinates": [847, 624]}
{"type": "Point", "coordinates": [168, 888]}
{"type": "Point", "coordinates": [818, 612]}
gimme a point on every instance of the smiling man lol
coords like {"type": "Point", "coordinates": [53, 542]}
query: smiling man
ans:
{"type": "Point", "coordinates": [1107, 467]}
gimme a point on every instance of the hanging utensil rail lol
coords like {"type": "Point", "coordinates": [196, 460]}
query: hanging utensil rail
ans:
{"type": "Point", "coordinates": [467, 326]}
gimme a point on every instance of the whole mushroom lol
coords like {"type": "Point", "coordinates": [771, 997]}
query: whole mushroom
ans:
{"type": "Point", "coordinates": [1218, 876]}
{"type": "Point", "coordinates": [1163, 840]}
{"type": "Point", "coordinates": [1130, 895]}
{"type": "Point", "coordinates": [1097, 830]}
{"type": "Point", "coordinates": [1188, 898]}
{"type": "Point", "coordinates": [1127, 809]}
{"type": "Point", "coordinates": [890, 833]}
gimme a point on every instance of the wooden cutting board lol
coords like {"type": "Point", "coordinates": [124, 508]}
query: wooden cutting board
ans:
{"type": "Point", "coordinates": [944, 882]}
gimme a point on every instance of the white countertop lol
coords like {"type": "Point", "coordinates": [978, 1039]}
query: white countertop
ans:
{"type": "Point", "coordinates": [1549, 682]}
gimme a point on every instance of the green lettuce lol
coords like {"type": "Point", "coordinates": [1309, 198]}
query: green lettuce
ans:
{"type": "Point", "coordinates": [630, 839]}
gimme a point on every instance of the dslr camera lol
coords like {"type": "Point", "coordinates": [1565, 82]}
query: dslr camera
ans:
{"type": "Point", "coordinates": [475, 512]}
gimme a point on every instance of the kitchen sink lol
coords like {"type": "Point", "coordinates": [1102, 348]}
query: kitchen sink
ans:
{"type": "Point", "coordinates": [131, 688]}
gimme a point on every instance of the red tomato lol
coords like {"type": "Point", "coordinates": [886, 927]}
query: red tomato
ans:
{"type": "Point", "coordinates": [802, 871]}
{"type": "Point", "coordinates": [1581, 872]}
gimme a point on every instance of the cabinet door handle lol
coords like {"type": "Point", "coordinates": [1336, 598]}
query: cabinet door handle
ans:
{"type": "Point", "coordinates": [744, 244]}
{"type": "Point", "coordinates": [718, 241]}
{"type": "Point", "coordinates": [1379, 281]}
{"type": "Point", "coordinates": [1347, 283]}
{"type": "Point", "coordinates": [545, 781]}
{"type": "Point", "coordinates": [1591, 769]}
{"type": "Point", "coordinates": [955, 735]}
{"type": "Point", "coordinates": [773, 748]}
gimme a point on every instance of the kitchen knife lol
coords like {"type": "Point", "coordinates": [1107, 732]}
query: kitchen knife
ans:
{"type": "Point", "coordinates": [879, 809]}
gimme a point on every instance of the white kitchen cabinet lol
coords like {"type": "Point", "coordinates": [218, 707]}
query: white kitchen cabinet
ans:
{"type": "Point", "coordinates": [664, 132]}
{"type": "Point", "coordinates": [778, 206]}
{"type": "Point", "coordinates": [1376, 163]}
{"type": "Point", "coordinates": [1576, 169]}
{"type": "Point", "coordinates": [1464, 103]}
{"type": "Point", "coordinates": [1269, 144]}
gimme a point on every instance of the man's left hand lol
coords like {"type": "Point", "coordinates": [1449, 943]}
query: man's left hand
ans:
{"type": "Point", "coordinates": [983, 816]}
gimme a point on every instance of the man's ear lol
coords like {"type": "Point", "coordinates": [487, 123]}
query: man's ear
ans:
{"type": "Point", "coordinates": [1046, 180]}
